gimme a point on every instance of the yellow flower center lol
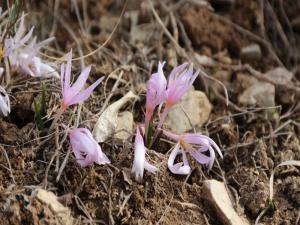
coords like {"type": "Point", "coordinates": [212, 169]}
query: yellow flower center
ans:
{"type": "Point", "coordinates": [183, 144]}
{"type": "Point", "coordinates": [1, 53]}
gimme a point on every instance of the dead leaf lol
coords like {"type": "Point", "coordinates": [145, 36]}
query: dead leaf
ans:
{"type": "Point", "coordinates": [108, 120]}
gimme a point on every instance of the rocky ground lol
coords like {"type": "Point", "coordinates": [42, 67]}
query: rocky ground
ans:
{"type": "Point", "coordinates": [246, 99]}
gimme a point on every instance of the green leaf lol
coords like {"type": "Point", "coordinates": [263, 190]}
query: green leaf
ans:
{"type": "Point", "coordinates": [40, 110]}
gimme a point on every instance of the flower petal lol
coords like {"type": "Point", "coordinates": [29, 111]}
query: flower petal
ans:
{"type": "Point", "coordinates": [182, 168]}
{"type": "Point", "coordinates": [139, 156]}
{"type": "Point", "coordinates": [150, 168]}
{"type": "Point", "coordinates": [76, 87]}
{"type": "Point", "coordinates": [86, 149]}
{"type": "Point", "coordinates": [48, 71]}
{"type": "Point", "coordinates": [82, 96]}
{"type": "Point", "coordinates": [67, 76]}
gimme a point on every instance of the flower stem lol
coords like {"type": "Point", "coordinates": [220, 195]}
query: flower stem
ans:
{"type": "Point", "coordinates": [158, 128]}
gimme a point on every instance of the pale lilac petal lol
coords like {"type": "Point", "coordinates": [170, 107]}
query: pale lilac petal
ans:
{"type": "Point", "coordinates": [200, 140]}
{"type": "Point", "coordinates": [179, 82]}
{"type": "Point", "coordinates": [67, 77]}
{"type": "Point", "coordinates": [150, 168]}
{"type": "Point", "coordinates": [45, 42]}
{"type": "Point", "coordinates": [86, 149]}
{"type": "Point", "coordinates": [139, 156]}
{"type": "Point", "coordinates": [102, 159]}
{"type": "Point", "coordinates": [196, 144]}
{"type": "Point", "coordinates": [182, 168]}
{"type": "Point", "coordinates": [201, 158]}
{"type": "Point", "coordinates": [47, 71]}
{"type": "Point", "coordinates": [21, 29]}
{"type": "Point", "coordinates": [1, 71]}
{"type": "Point", "coordinates": [25, 38]}
{"type": "Point", "coordinates": [82, 96]}
{"type": "Point", "coordinates": [82, 78]}
{"type": "Point", "coordinates": [175, 72]}
{"type": "Point", "coordinates": [171, 135]}
{"type": "Point", "coordinates": [212, 155]}
{"type": "Point", "coordinates": [156, 88]}
{"type": "Point", "coordinates": [4, 102]}
{"type": "Point", "coordinates": [62, 77]}
{"type": "Point", "coordinates": [216, 147]}
{"type": "Point", "coordinates": [156, 92]}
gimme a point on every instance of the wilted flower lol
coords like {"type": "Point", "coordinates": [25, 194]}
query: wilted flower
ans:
{"type": "Point", "coordinates": [180, 81]}
{"type": "Point", "coordinates": [4, 102]}
{"type": "Point", "coordinates": [86, 149]}
{"type": "Point", "coordinates": [73, 95]}
{"type": "Point", "coordinates": [197, 145]}
{"type": "Point", "coordinates": [22, 53]}
{"type": "Point", "coordinates": [140, 163]}
{"type": "Point", "coordinates": [156, 92]}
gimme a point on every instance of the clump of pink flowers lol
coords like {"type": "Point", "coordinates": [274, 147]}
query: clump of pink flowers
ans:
{"type": "Point", "coordinates": [21, 51]}
{"type": "Point", "coordinates": [84, 146]}
{"type": "Point", "coordinates": [163, 93]}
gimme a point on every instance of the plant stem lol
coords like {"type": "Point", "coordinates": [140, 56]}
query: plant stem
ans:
{"type": "Point", "coordinates": [158, 128]}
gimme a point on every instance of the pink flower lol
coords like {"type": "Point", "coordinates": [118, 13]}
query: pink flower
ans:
{"type": "Point", "coordinates": [73, 95]}
{"type": "Point", "coordinates": [182, 168]}
{"type": "Point", "coordinates": [156, 92]}
{"type": "Point", "coordinates": [86, 149]}
{"type": "Point", "coordinates": [4, 102]}
{"type": "Point", "coordinates": [180, 81]}
{"type": "Point", "coordinates": [22, 51]}
{"type": "Point", "coordinates": [196, 145]}
{"type": "Point", "coordinates": [140, 163]}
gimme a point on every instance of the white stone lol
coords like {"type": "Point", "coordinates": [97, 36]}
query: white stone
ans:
{"type": "Point", "coordinates": [50, 199]}
{"type": "Point", "coordinates": [261, 94]}
{"type": "Point", "coordinates": [193, 110]}
{"type": "Point", "coordinates": [217, 195]}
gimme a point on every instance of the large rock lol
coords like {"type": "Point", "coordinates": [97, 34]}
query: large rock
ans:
{"type": "Point", "coordinates": [193, 110]}
{"type": "Point", "coordinates": [217, 195]}
{"type": "Point", "coordinates": [261, 94]}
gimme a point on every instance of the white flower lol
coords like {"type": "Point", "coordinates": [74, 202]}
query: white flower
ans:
{"type": "Point", "coordinates": [22, 51]}
{"type": "Point", "coordinates": [4, 102]}
{"type": "Point", "coordinates": [183, 167]}
{"type": "Point", "coordinates": [140, 163]}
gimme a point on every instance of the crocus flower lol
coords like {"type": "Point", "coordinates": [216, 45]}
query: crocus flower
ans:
{"type": "Point", "coordinates": [86, 149]}
{"type": "Point", "coordinates": [180, 81]}
{"type": "Point", "coordinates": [73, 95]}
{"type": "Point", "coordinates": [194, 144]}
{"type": "Point", "coordinates": [4, 102]}
{"type": "Point", "coordinates": [140, 163]}
{"type": "Point", "coordinates": [156, 92]}
{"type": "Point", "coordinates": [22, 51]}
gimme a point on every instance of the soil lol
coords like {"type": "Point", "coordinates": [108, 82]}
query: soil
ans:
{"type": "Point", "coordinates": [253, 139]}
